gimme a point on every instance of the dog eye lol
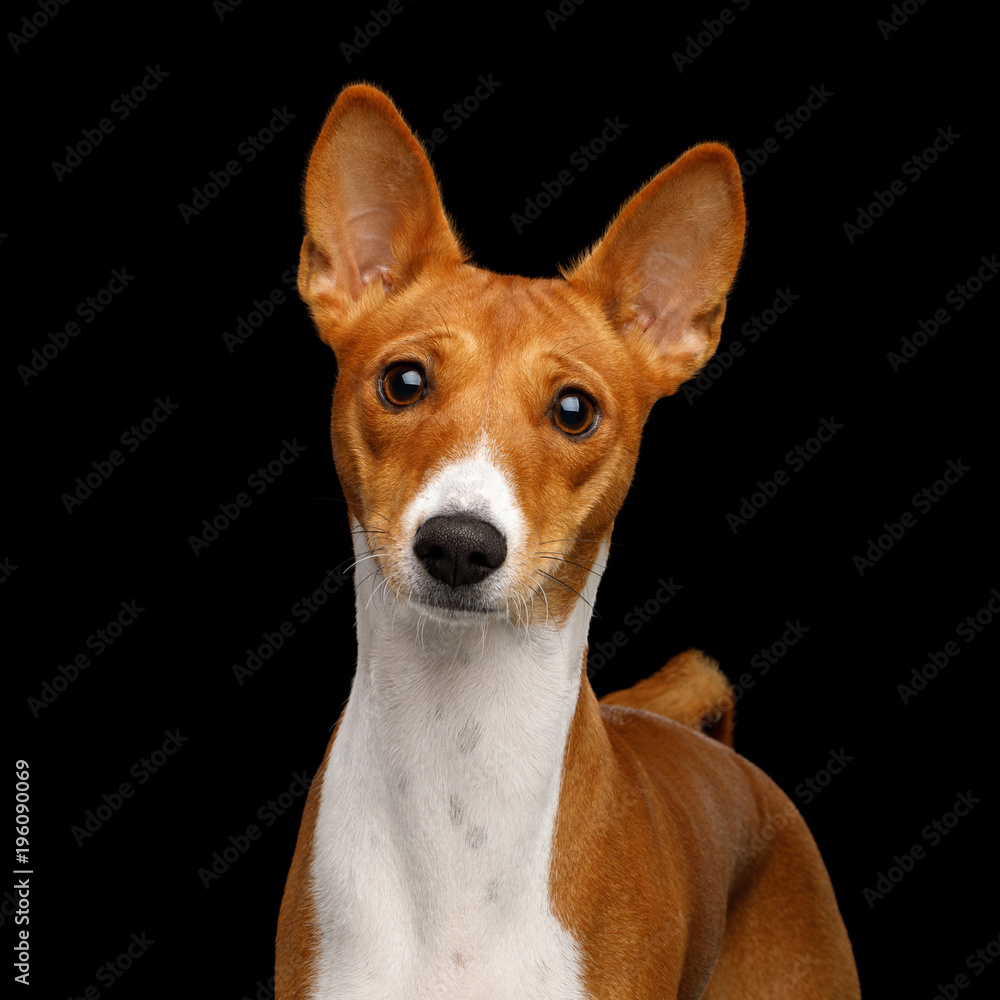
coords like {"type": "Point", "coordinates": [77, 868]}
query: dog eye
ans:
{"type": "Point", "coordinates": [574, 413]}
{"type": "Point", "coordinates": [403, 383]}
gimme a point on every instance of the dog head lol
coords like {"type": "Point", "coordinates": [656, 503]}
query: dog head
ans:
{"type": "Point", "coordinates": [486, 427]}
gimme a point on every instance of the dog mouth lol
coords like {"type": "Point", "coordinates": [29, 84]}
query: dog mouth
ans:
{"type": "Point", "coordinates": [455, 604]}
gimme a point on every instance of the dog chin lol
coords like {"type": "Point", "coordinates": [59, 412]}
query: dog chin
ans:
{"type": "Point", "coordinates": [444, 605]}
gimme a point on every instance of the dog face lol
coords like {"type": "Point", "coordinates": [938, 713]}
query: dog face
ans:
{"type": "Point", "coordinates": [486, 427]}
{"type": "Point", "coordinates": [492, 398]}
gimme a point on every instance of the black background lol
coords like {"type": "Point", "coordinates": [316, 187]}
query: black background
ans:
{"type": "Point", "coordinates": [834, 691]}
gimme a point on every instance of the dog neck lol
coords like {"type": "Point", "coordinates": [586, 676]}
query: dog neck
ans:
{"type": "Point", "coordinates": [464, 725]}
{"type": "Point", "coordinates": [443, 782]}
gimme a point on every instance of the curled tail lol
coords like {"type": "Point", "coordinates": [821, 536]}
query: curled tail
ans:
{"type": "Point", "coordinates": [690, 689]}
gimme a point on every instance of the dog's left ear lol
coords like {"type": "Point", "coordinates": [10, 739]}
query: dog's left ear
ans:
{"type": "Point", "coordinates": [663, 269]}
{"type": "Point", "coordinates": [374, 218]}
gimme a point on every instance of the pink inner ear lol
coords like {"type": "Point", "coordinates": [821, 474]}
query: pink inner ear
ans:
{"type": "Point", "coordinates": [666, 263]}
{"type": "Point", "coordinates": [371, 242]}
{"type": "Point", "coordinates": [373, 211]}
{"type": "Point", "coordinates": [664, 304]}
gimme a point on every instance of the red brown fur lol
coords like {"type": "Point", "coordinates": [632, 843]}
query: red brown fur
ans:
{"type": "Point", "coordinates": [678, 867]}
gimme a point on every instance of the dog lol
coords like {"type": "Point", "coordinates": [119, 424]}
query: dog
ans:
{"type": "Point", "coordinates": [481, 827]}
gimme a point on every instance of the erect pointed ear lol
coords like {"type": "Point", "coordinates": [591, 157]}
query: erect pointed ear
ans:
{"type": "Point", "coordinates": [664, 266]}
{"type": "Point", "coordinates": [373, 213]}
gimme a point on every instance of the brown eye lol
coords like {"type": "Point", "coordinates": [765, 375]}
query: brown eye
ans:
{"type": "Point", "coordinates": [403, 383]}
{"type": "Point", "coordinates": [574, 413]}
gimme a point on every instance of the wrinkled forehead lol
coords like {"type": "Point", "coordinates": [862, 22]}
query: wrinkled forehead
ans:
{"type": "Point", "coordinates": [502, 321]}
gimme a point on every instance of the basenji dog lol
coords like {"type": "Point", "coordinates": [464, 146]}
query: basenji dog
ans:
{"type": "Point", "coordinates": [481, 827]}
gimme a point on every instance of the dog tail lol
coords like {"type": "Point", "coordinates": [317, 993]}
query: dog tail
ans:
{"type": "Point", "coordinates": [690, 689]}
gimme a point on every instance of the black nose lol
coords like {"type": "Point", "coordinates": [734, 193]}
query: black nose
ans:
{"type": "Point", "coordinates": [459, 549]}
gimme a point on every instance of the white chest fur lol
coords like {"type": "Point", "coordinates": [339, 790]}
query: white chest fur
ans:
{"type": "Point", "coordinates": [433, 839]}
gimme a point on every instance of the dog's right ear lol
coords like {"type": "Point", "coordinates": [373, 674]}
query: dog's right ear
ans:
{"type": "Point", "coordinates": [664, 267]}
{"type": "Point", "coordinates": [373, 213]}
